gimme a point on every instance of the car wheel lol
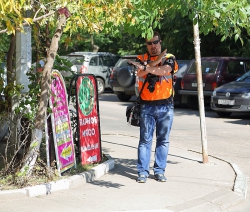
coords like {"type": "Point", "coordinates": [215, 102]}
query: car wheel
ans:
{"type": "Point", "coordinates": [126, 76]}
{"type": "Point", "coordinates": [124, 97]}
{"type": "Point", "coordinates": [100, 86]}
{"type": "Point", "coordinates": [223, 114]}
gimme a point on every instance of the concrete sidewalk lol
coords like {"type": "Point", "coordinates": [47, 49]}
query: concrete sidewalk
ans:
{"type": "Point", "coordinates": [191, 185]}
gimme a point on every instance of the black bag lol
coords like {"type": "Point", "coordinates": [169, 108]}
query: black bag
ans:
{"type": "Point", "coordinates": [133, 114]}
{"type": "Point", "coordinates": [133, 111]}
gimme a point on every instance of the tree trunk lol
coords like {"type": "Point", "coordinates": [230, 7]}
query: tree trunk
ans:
{"type": "Point", "coordinates": [10, 73]}
{"type": "Point", "coordinates": [95, 48]}
{"type": "Point", "coordinates": [11, 100]}
{"type": "Point", "coordinates": [200, 91]}
{"type": "Point", "coordinates": [32, 154]}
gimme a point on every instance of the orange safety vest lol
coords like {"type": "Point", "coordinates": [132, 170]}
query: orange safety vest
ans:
{"type": "Point", "coordinates": [163, 87]}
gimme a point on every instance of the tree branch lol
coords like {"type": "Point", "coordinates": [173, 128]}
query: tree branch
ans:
{"type": "Point", "coordinates": [34, 20]}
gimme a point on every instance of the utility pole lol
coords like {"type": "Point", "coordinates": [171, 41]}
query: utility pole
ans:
{"type": "Point", "coordinates": [23, 65]}
{"type": "Point", "coordinates": [23, 57]}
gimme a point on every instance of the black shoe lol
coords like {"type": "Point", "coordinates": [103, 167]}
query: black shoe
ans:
{"type": "Point", "coordinates": [160, 177]}
{"type": "Point", "coordinates": [142, 178]}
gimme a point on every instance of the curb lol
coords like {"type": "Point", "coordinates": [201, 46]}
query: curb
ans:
{"type": "Point", "coordinates": [240, 184]}
{"type": "Point", "coordinates": [71, 182]}
{"type": "Point", "coordinates": [220, 200]}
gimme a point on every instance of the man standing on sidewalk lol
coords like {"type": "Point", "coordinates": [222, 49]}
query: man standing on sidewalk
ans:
{"type": "Point", "coordinates": [157, 107]}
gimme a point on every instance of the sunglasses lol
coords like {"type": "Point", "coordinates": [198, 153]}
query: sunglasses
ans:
{"type": "Point", "coordinates": [153, 42]}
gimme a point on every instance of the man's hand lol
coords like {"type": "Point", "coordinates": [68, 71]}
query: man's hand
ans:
{"type": "Point", "coordinates": [136, 64]}
{"type": "Point", "coordinates": [152, 63]}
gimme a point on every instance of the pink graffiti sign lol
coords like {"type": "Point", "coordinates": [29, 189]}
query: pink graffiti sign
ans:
{"type": "Point", "coordinates": [62, 132]}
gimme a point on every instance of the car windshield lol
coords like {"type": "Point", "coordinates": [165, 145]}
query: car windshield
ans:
{"type": "Point", "coordinates": [207, 67]}
{"type": "Point", "coordinates": [76, 60]}
{"type": "Point", "coordinates": [244, 78]}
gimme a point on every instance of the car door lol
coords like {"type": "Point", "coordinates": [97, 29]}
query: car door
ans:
{"type": "Point", "coordinates": [247, 66]}
{"type": "Point", "coordinates": [233, 70]}
{"type": "Point", "coordinates": [94, 66]}
{"type": "Point", "coordinates": [107, 64]}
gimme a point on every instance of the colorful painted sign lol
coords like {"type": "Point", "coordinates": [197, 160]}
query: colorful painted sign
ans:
{"type": "Point", "coordinates": [88, 119]}
{"type": "Point", "coordinates": [62, 132]}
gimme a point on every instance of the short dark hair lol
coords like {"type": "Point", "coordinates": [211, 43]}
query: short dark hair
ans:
{"type": "Point", "coordinates": [155, 33]}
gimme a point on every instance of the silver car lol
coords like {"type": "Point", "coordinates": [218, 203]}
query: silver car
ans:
{"type": "Point", "coordinates": [97, 63]}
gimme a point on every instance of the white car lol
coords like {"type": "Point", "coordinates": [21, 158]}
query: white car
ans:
{"type": "Point", "coordinates": [97, 63]}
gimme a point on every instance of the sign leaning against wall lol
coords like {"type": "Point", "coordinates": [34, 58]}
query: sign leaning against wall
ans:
{"type": "Point", "coordinates": [88, 119]}
{"type": "Point", "coordinates": [61, 126]}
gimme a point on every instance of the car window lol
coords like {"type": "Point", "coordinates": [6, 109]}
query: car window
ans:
{"type": "Point", "coordinates": [181, 70]}
{"type": "Point", "coordinates": [244, 78]}
{"type": "Point", "coordinates": [208, 67]}
{"type": "Point", "coordinates": [180, 65]}
{"type": "Point", "coordinates": [106, 61]}
{"type": "Point", "coordinates": [115, 59]}
{"type": "Point", "coordinates": [109, 61]}
{"type": "Point", "coordinates": [247, 65]}
{"type": "Point", "coordinates": [235, 67]}
{"type": "Point", "coordinates": [94, 61]}
{"type": "Point", "coordinates": [76, 60]}
{"type": "Point", "coordinates": [123, 62]}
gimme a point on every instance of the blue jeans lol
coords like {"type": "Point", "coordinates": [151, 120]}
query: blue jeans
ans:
{"type": "Point", "coordinates": [161, 118]}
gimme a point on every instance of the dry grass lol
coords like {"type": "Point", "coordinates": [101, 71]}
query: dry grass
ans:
{"type": "Point", "coordinates": [41, 174]}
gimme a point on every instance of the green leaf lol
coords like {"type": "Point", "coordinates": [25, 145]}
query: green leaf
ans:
{"type": "Point", "coordinates": [236, 37]}
{"type": "Point", "coordinates": [223, 38]}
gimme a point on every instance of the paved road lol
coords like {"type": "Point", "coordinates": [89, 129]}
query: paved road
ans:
{"type": "Point", "coordinates": [227, 138]}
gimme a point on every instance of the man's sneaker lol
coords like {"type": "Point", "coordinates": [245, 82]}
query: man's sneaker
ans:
{"type": "Point", "coordinates": [160, 177]}
{"type": "Point", "coordinates": [142, 178]}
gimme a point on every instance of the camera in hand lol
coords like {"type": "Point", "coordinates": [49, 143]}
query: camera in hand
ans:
{"type": "Point", "coordinates": [152, 79]}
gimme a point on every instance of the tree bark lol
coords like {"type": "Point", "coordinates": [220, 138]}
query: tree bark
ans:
{"type": "Point", "coordinates": [200, 92]}
{"type": "Point", "coordinates": [11, 100]}
{"type": "Point", "coordinates": [10, 73]}
{"type": "Point", "coordinates": [33, 152]}
{"type": "Point", "coordinates": [95, 48]}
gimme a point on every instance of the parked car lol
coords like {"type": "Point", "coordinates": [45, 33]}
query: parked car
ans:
{"type": "Point", "coordinates": [122, 78]}
{"type": "Point", "coordinates": [216, 71]}
{"type": "Point", "coordinates": [183, 64]}
{"type": "Point", "coordinates": [232, 97]}
{"type": "Point", "coordinates": [97, 63]}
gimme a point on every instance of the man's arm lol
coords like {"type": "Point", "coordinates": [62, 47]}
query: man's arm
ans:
{"type": "Point", "coordinates": [151, 68]}
{"type": "Point", "coordinates": [157, 70]}
{"type": "Point", "coordinates": [158, 60]}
